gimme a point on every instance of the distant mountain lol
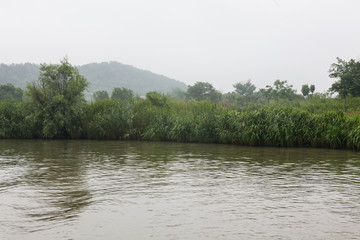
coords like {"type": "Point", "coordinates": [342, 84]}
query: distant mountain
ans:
{"type": "Point", "coordinates": [107, 75]}
{"type": "Point", "coordinates": [101, 76]}
{"type": "Point", "coordinates": [18, 74]}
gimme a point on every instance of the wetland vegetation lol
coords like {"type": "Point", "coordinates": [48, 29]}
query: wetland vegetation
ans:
{"type": "Point", "coordinates": [54, 107]}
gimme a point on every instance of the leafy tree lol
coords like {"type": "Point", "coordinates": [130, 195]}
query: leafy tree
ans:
{"type": "Point", "coordinates": [305, 90]}
{"type": "Point", "coordinates": [122, 94]}
{"type": "Point", "coordinates": [348, 75]}
{"type": "Point", "coordinates": [266, 93]}
{"type": "Point", "coordinates": [178, 94]}
{"type": "Point", "coordinates": [57, 100]}
{"type": "Point", "coordinates": [9, 92]}
{"type": "Point", "coordinates": [312, 88]}
{"type": "Point", "coordinates": [280, 90]}
{"type": "Point", "coordinates": [244, 88]}
{"type": "Point", "coordinates": [100, 95]}
{"type": "Point", "coordinates": [283, 90]}
{"type": "Point", "coordinates": [203, 91]}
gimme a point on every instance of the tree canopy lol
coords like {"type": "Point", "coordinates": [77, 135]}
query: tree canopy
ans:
{"type": "Point", "coordinates": [9, 92]}
{"type": "Point", "coordinates": [57, 100]}
{"type": "Point", "coordinates": [203, 91]}
{"type": "Point", "coordinates": [348, 75]}
{"type": "Point", "coordinates": [244, 88]}
{"type": "Point", "coordinates": [279, 90]}
{"type": "Point", "coordinates": [100, 95]}
{"type": "Point", "coordinates": [122, 93]}
{"type": "Point", "coordinates": [305, 90]}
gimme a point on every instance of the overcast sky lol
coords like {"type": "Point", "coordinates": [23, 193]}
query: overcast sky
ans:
{"type": "Point", "coordinates": [216, 41]}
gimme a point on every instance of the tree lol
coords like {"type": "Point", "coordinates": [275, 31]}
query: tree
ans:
{"type": "Point", "coordinates": [266, 93]}
{"type": "Point", "coordinates": [283, 90]}
{"type": "Point", "coordinates": [305, 90]}
{"type": "Point", "coordinates": [57, 100]}
{"type": "Point", "coordinates": [122, 94]}
{"type": "Point", "coordinates": [100, 95]}
{"type": "Point", "coordinates": [203, 91]}
{"type": "Point", "coordinates": [348, 75]}
{"type": "Point", "coordinates": [280, 90]}
{"type": "Point", "coordinates": [244, 88]}
{"type": "Point", "coordinates": [9, 92]}
{"type": "Point", "coordinates": [178, 94]}
{"type": "Point", "coordinates": [312, 88]}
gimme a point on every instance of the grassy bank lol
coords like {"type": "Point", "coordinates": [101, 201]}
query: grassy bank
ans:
{"type": "Point", "coordinates": [203, 122]}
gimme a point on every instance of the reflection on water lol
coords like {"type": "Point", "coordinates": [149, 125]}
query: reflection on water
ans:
{"type": "Point", "coordinates": [133, 190]}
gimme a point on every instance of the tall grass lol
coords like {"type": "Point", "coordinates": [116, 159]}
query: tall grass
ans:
{"type": "Point", "coordinates": [205, 122]}
{"type": "Point", "coordinates": [108, 119]}
{"type": "Point", "coordinates": [13, 120]}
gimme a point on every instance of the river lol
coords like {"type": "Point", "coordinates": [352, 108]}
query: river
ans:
{"type": "Point", "coordinates": [144, 190]}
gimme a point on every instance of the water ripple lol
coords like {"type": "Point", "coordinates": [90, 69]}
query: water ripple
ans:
{"type": "Point", "coordinates": [132, 190]}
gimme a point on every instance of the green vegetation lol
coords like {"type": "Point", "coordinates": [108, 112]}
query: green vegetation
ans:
{"type": "Point", "coordinates": [101, 77]}
{"type": "Point", "coordinates": [57, 101]}
{"type": "Point", "coordinates": [122, 94]}
{"type": "Point", "coordinates": [9, 92]}
{"type": "Point", "coordinates": [244, 88]}
{"type": "Point", "coordinates": [348, 74]}
{"type": "Point", "coordinates": [18, 74]}
{"type": "Point", "coordinates": [203, 91]}
{"type": "Point", "coordinates": [108, 75]}
{"type": "Point", "coordinates": [100, 95]}
{"type": "Point", "coordinates": [54, 107]}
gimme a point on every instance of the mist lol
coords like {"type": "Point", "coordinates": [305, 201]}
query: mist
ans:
{"type": "Point", "coordinates": [220, 42]}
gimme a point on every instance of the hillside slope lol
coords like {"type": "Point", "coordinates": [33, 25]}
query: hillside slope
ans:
{"type": "Point", "coordinates": [107, 75]}
{"type": "Point", "coordinates": [101, 76]}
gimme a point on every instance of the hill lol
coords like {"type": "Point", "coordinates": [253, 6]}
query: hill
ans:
{"type": "Point", "coordinates": [107, 75]}
{"type": "Point", "coordinates": [18, 74]}
{"type": "Point", "coordinates": [101, 76]}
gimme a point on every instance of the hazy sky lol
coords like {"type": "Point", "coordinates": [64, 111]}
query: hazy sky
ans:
{"type": "Point", "coordinates": [216, 41]}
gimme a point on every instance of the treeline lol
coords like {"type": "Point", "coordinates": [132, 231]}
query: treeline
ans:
{"type": "Point", "coordinates": [54, 108]}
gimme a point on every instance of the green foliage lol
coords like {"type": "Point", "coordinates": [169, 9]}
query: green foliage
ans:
{"type": "Point", "coordinates": [9, 92]}
{"type": "Point", "coordinates": [18, 74]}
{"type": "Point", "coordinates": [57, 100]}
{"type": "Point", "coordinates": [54, 107]}
{"type": "Point", "coordinates": [312, 88]}
{"type": "Point", "coordinates": [194, 121]}
{"type": "Point", "coordinates": [122, 94]}
{"type": "Point", "coordinates": [305, 90]}
{"type": "Point", "coordinates": [157, 117]}
{"type": "Point", "coordinates": [244, 88]}
{"type": "Point", "coordinates": [160, 124]}
{"type": "Point", "coordinates": [178, 94]}
{"type": "Point", "coordinates": [107, 75]}
{"type": "Point", "coordinates": [13, 122]}
{"type": "Point", "coordinates": [283, 90]}
{"type": "Point", "coordinates": [108, 119]}
{"type": "Point", "coordinates": [348, 74]}
{"type": "Point", "coordinates": [157, 99]}
{"type": "Point", "coordinates": [101, 76]}
{"type": "Point", "coordinates": [100, 95]}
{"type": "Point", "coordinates": [203, 91]}
{"type": "Point", "coordinates": [141, 118]}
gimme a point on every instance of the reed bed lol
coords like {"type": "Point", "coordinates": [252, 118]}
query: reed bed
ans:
{"type": "Point", "coordinates": [198, 122]}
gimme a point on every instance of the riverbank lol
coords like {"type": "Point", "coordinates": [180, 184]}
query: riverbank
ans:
{"type": "Point", "coordinates": [198, 122]}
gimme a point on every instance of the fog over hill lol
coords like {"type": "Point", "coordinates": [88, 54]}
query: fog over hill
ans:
{"type": "Point", "coordinates": [101, 76]}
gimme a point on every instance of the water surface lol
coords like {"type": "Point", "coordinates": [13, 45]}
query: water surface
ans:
{"type": "Point", "coordinates": [140, 190]}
